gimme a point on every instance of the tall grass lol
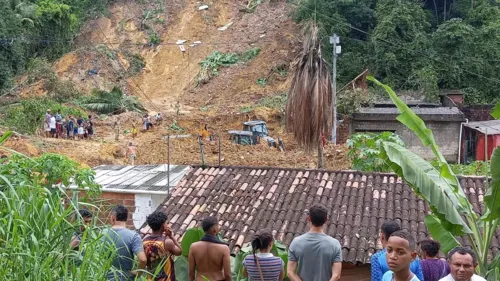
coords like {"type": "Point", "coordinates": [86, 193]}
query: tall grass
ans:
{"type": "Point", "coordinates": [35, 233]}
{"type": "Point", "coordinates": [38, 220]}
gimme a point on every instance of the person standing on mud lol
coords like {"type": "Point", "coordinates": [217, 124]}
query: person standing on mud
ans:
{"type": "Point", "coordinates": [209, 257]}
{"type": "Point", "coordinates": [116, 127]}
{"type": "Point", "coordinates": [131, 152]}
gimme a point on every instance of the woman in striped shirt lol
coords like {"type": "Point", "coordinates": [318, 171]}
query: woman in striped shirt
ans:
{"type": "Point", "coordinates": [263, 266]}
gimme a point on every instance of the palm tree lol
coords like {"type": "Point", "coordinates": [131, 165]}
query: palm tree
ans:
{"type": "Point", "coordinates": [308, 108]}
{"type": "Point", "coordinates": [113, 102]}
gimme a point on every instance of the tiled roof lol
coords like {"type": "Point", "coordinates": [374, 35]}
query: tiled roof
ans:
{"type": "Point", "coordinates": [249, 199]}
{"type": "Point", "coordinates": [140, 178]}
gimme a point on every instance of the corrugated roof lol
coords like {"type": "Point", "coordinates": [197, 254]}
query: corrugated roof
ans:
{"type": "Point", "coordinates": [140, 178]}
{"type": "Point", "coordinates": [490, 127]}
{"type": "Point", "coordinates": [247, 199]}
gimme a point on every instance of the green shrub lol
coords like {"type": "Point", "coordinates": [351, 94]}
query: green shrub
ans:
{"type": "Point", "coordinates": [364, 150]}
{"type": "Point", "coordinates": [250, 54]}
{"type": "Point", "coordinates": [113, 102]}
{"type": "Point", "coordinates": [277, 101]}
{"type": "Point", "coordinates": [37, 229]}
{"type": "Point", "coordinates": [28, 116]}
{"type": "Point", "coordinates": [136, 64]}
{"type": "Point", "coordinates": [210, 65]}
{"type": "Point", "coordinates": [262, 81]}
{"type": "Point", "coordinates": [476, 168]}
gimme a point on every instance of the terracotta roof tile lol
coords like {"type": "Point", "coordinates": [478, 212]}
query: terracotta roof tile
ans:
{"type": "Point", "coordinates": [247, 199]}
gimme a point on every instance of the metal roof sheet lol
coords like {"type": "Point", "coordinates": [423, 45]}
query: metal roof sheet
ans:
{"type": "Point", "coordinates": [490, 127]}
{"type": "Point", "coordinates": [140, 178]}
{"type": "Point", "coordinates": [255, 122]}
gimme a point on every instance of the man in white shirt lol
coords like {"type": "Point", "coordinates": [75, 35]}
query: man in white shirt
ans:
{"type": "Point", "coordinates": [53, 126]}
{"type": "Point", "coordinates": [462, 264]}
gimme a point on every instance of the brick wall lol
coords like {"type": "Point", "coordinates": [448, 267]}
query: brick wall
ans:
{"type": "Point", "coordinates": [105, 203]}
{"type": "Point", "coordinates": [478, 112]}
{"type": "Point", "coordinates": [343, 131]}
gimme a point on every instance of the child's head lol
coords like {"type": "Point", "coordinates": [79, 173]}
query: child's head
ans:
{"type": "Point", "coordinates": [401, 251]}
{"type": "Point", "coordinates": [130, 144]}
{"type": "Point", "coordinates": [429, 249]}
{"type": "Point", "coordinates": [156, 220]}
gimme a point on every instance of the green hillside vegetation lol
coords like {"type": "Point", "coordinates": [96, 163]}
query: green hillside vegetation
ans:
{"type": "Point", "coordinates": [415, 45]}
{"type": "Point", "coordinates": [39, 28]}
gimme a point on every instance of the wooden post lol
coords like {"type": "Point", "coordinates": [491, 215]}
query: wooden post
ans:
{"type": "Point", "coordinates": [219, 150]}
{"type": "Point", "coordinates": [168, 164]}
{"type": "Point", "coordinates": [320, 155]}
{"type": "Point", "coordinates": [202, 152]}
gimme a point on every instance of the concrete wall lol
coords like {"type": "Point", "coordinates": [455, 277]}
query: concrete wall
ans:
{"type": "Point", "coordinates": [446, 134]}
{"type": "Point", "coordinates": [138, 205]}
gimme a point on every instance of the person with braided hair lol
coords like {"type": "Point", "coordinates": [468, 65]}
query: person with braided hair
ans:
{"type": "Point", "coordinates": [263, 265]}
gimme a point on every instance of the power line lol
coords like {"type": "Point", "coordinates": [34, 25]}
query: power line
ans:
{"type": "Point", "coordinates": [124, 69]}
{"type": "Point", "coordinates": [395, 44]}
{"type": "Point", "coordinates": [10, 40]}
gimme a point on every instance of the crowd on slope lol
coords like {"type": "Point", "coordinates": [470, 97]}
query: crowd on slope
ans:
{"type": "Point", "coordinates": [69, 127]}
{"type": "Point", "coordinates": [313, 256]}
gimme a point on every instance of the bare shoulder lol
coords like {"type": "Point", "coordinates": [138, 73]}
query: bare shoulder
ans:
{"type": "Point", "coordinates": [222, 248]}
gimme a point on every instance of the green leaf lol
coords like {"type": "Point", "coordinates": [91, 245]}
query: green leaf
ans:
{"type": "Point", "coordinates": [427, 182]}
{"type": "Point", "coordinates": [496, 111]}
{"type": "Point", "coordinates": [435, 227]}
{"type": "Point", "coordinates": [492, 195]}
{"type": "Point", "coordinates": [5, 136]}
{"type": "Point", "coordinates": [181, 265]}
{"type": "Point", "coordinates": [191, 236]}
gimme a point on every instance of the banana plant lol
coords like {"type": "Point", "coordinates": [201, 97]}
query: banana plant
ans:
{"type": "Point", "coordinates": [452, 213]}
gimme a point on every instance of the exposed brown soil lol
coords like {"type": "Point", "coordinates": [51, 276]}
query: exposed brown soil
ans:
{"type": "Point", "coordinates": [169, 77]}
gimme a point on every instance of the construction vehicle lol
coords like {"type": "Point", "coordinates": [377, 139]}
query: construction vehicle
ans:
{"type": "Point", "coordinates": [242, 137]}
{"type": "Point", "coordinates": [255, 130]}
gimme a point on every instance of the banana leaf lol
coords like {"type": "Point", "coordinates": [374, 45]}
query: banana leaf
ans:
{"type": "Point", "coordinates": [237, 264]}
{"type": "Point", "coordinates": [191, 236]}
{"type": "Point", "coordinates": [5, 136]}
{"type": "Point", "coordinates": [426, 181]}
{"type": "Point", "coordinates": [496, 111]}
{"type": "Point", "coordinates": [417, 125]}
{"type": "Point", "coordinates": [279, 250]}
{"type": "Point", "coordinates": [181, 265]}
{"type": "Point", "coordinates": [492, 195]}
{"type": "Point", "coordinates": [435, 227]}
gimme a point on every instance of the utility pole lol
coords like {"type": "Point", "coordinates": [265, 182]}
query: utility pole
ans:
{"type": "Point", "coordinates": [336, 50]}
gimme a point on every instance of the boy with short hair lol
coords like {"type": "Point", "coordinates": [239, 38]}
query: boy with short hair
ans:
{"type": "Point", "coordinates": [160, 247]}
{"type": "Point", "coordinates": [401, 252]}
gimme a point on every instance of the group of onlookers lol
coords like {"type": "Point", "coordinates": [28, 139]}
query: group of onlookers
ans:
{"type": "Point", "coordinates": [399, 260]}
{"type": "Point", "coordinates": [313, 256]}
{"type": "Point", "coordinates": [70, 127]}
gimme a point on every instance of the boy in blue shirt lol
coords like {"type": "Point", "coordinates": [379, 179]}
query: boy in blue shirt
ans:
{"type": "Point", "coordinates": [401, 252]}
{"type": "Point", "coordinates": [378, 262]}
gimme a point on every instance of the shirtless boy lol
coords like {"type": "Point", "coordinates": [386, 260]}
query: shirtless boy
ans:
{"type": "Point", "coordinates": [209, 257]}
{"type": "Point", "coordinates": [131, 152]}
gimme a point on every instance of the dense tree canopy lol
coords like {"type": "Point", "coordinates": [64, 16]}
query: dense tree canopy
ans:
{"type": "Point", "coordinates": [38, 28]}
{"type": "Point", "coordinates": [415, 45]}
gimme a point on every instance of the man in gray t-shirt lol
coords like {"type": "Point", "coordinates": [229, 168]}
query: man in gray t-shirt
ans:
{"type": "Point", "coordinates": [128, 245]}
{"type": "Point", "coordinates": [317, 256]}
